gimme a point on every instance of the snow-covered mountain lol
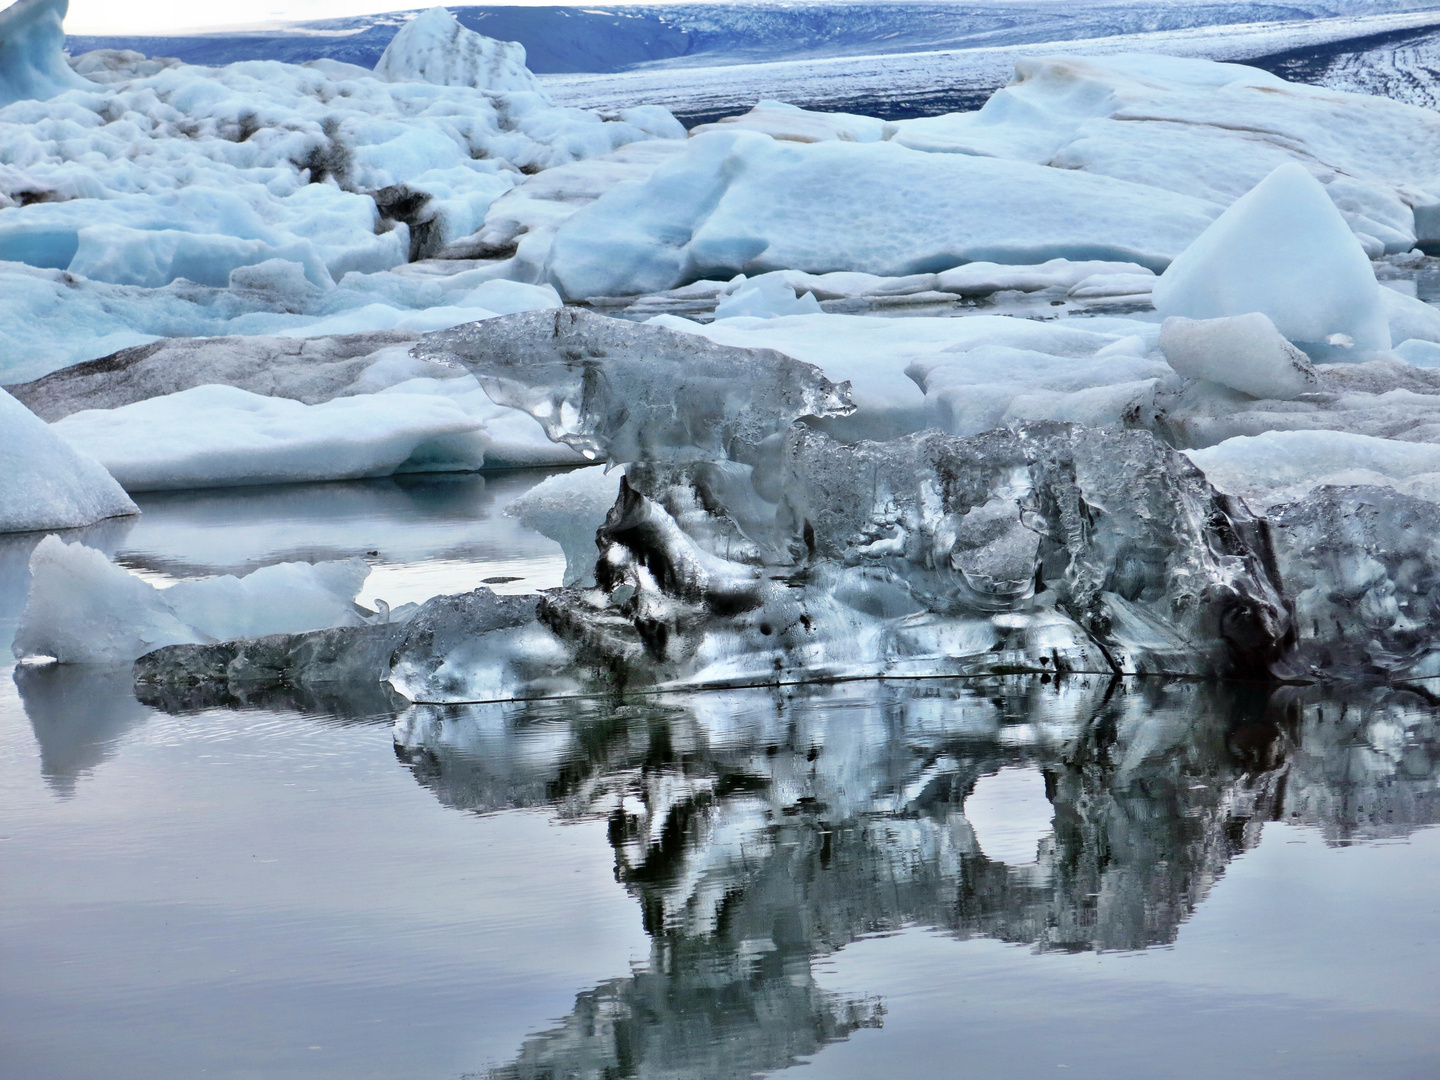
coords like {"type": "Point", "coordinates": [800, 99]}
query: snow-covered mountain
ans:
{"type": "Point", "coordinates": [571, 39]}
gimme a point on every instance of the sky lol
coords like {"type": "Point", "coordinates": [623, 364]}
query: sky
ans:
{"type": "Point", "coordinates": [167, 16]}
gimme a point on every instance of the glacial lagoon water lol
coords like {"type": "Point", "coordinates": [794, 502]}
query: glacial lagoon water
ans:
{"type": "Point", "coordinates": [991, 879]}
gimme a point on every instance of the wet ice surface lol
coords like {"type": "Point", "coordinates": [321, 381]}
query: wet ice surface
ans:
{"type": "Point", "coordinates": [1127, 879]}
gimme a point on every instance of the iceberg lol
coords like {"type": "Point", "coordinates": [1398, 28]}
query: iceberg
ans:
{"type": "Point", "coordinates": [1285, 251]}
{"type": "Point", "coordinates": [32, 59]}
{"type": "Point", "coordinates": [928, 554]}
{"type": "Point", "coordinates": [623, 392]}
{"type": "Point", "coordinates": [45, 482]}
{"type": "Point", "coordinates": [83, 609]}
{"type": "Point", "coordinates": [1208, 130]}
{"type": "Point", "coordinates": [742, 202]}
{"type": "Point", "coordinates": [1243, 352]}
{"type": "Point", "coordinates": [433, 47]}
{"type": "Point", "coordinates": [310, 370]}
{"type": "Point", "coordinates": [765, 298]}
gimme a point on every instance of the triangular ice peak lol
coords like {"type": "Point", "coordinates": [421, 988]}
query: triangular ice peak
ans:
{"type": "Point", "coordinates": [1284, 250]}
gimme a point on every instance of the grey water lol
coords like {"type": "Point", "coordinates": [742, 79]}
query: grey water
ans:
{"type": "Point", "coordinates": [997, 878]}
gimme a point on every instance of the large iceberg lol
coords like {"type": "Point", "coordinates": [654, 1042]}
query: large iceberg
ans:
{"type": "Point", "coordinates": [45, 482]}
{"type": "Point", "coordinates": [32, 62]}
{"type": "Point", "coordinates": [433, 47]}
{"type": "Point", "coordinates": [743, 543]}
{"type": "Point", "coordinates": [744, 202]}
{"type": "Point", "coordinates": [1208, 130]}
{"type": "Point", "coordinates": [1044, 548]}
{"type": "Point", "coordinates": [622, 392]}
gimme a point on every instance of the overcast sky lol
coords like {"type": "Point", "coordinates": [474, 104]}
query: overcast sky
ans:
{"type": "Point", "coordinates": [163, 16]}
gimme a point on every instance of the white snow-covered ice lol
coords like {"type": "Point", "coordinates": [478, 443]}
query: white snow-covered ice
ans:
{"type": "Point", "coordinates": [220, 435]}
{"type": "Point", "coordinates": [742, 202]}
{"type": "Point", "coordinates": [1243, 352]}
{"type": "Point", "coordinates": [1283, 250]}
{"type": "Point", "coordinates": [83, 609]}
{"type": "Point", "coordinates": [1283, 466]}
{"type": "Point", "coordinates": [47, 483]}
{"type": "Point", "coordinates": [568, 507]}
{"type": "Point", "coordinates": [433, 47]}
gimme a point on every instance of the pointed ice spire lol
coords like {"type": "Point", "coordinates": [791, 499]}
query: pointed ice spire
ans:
{"type": "Point", "coordinates": [1284, 250]}
{"type": "Point", "coordinates": [32, 59]}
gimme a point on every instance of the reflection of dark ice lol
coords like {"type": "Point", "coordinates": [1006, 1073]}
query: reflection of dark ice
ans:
{"type": "Point", "coordinates": [761, 830]}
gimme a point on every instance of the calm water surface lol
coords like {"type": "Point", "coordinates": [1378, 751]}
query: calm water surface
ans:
{"type": "Point", "coordinates": [936, 879]}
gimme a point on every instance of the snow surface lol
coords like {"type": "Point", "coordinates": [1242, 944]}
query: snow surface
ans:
{"type": "Point", "coordinates": [83, 609]}
{"type": "Point", "coordinates": [1284, 250]}
{"type": "Point", "coordinates": [45, 482]}
{"type": "Point", "coordinates": [434, 48]}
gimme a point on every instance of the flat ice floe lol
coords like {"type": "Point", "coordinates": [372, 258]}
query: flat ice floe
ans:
{"type": "Point", "coordinates": [1212, 131]}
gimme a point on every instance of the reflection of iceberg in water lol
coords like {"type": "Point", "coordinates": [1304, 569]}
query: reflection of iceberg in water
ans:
{"type": "Point", "coordinates": [78, 714]}
{"type": "Point", "coordinates": [761, 831]}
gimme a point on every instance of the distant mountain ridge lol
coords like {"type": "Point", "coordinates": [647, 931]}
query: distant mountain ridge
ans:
{"type": "Point", "coordinates": [567, 40]}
